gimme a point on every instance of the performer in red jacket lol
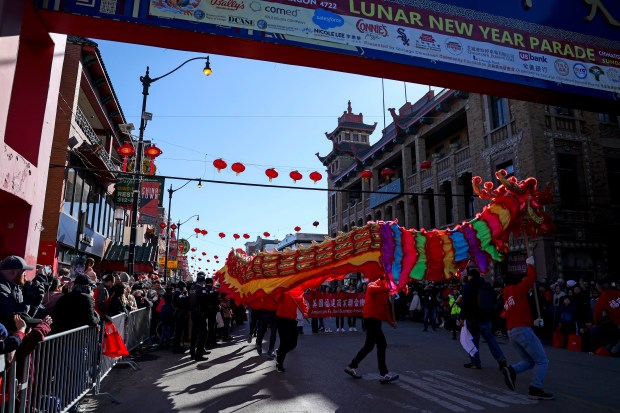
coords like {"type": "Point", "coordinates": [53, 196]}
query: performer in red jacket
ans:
{"type": "Point", "coordinates": [519, 324]}
{"type": "Point", "coordinates": [286, 319]}
{"type": "Point", "coordinates": [376, 309]}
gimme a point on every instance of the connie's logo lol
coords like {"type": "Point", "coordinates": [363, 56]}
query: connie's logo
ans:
{"type": "Point", "coordinates": [373, 28]}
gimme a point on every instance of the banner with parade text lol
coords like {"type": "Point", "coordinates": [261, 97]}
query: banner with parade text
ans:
{"type": "Point", "coordinates": [322, 305]}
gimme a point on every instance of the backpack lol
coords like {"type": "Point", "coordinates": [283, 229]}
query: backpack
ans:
{"type": "Point", "coordinates": [487, 298]}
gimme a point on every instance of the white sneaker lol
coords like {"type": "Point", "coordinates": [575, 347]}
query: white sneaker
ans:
{"type": "Point", "coordinates": [388, 378]}
{"type": "Point", "coordinates": [350, 328]}
{"type": "Point", "coordinates": [354, 329]}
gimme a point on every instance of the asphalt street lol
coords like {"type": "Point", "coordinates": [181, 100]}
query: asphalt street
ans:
{"type": "Point", "coordinates": [235, 378]}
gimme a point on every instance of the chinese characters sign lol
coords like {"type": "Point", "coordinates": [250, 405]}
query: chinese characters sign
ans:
{"type": "Point", "coordinates": [334, 305]}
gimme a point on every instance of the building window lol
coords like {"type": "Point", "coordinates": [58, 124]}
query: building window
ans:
{"type": "Point", "coordinates": [570, 176]}
{"type": "Point", "coordinates": [562, 111]}
{"type": "Point", "coordinates": [332, 204]}
{"type": "Point", "coordinates": [498, 111]}
{"type": "Point", "coordinates": [356, 137]}
{"type": "Point", "coordinates": [69, 189]}
{"type": "Point", "coordinates": [507, 166]}
{"type": "Point", "coordinates": [77, 194]}
{"type": "Point", "coordinates": [364, 138]}
{"type": "Point", "coordinates": [608, 118]}
{"type": "Point", "coordinates": [613, 178]}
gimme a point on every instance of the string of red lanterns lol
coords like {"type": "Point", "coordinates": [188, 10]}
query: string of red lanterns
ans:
{"type": "Point", "coordinates": [271, 173]}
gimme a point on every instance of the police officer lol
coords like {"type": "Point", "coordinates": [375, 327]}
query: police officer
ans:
{"type": "Point", "coordinates": [180, 302]}
{"type": "Point", "coordinates": [198, 301]}
{"type": "Point", "coordinates": [213, 307]}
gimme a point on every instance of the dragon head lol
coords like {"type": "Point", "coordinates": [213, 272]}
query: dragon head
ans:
{"type": "Point", "coordinates": [529, 210]}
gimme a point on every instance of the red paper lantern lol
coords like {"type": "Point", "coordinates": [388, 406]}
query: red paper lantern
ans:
{"type": "Point", "coordinates": [238, 167]}
{"type": "Point", "coordinates": [236, 236]}
{"type": "Point", "coordinates": [315, 223]}
{"type": "Point", "coordinates": [425, 164]}
{"type": "Point", "coordinates": [316, 176]}
{"type": "Point", "coordinates": [387, 173]}
{"type": "Point", "coordinates": [217, 262]}
{"type": "Point", "coordinates": [297, 229]}
{"type": "Point", "coordinates": [199, 259]}
{"type": "Point", "coordinates": [222, 235]}
{"type": "Point", "coordinates": [152, 152]}
{"type": "Point", "coordinates": [271, 173]}
{"type": "Point", "coordinates": [215, 256]}
{"type": "Point", "coordinates": [204, 253]}
{"type": "Point", "coordinates": [204, 232]}
{"type": "Point", "coordinates": [208, 260]}
{"type": "Point", "coordinates": [162, 225]}
{"type": "Point", "coordinates": [125, 151]}
{"type": "Point", "coordinates": [173, 226]}
{"type": "Point", "coordinates": [295, 176]}
{"type": "Point", "coordinates": [219, 164]}
{"type": "Point", "coordinates": [193, 249]}
{"type": "Point", "coordinates": [266, 234]}
{"type": "Point", "coordinates": [367, 175]}
{"type": "Point", "coordinates": [246, 236]}
{"type": "Point", "coordinates": [197, 230]}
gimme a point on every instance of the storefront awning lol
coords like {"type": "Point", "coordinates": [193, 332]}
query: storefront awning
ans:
{"type": "Point", "coordinates": [116, 254]}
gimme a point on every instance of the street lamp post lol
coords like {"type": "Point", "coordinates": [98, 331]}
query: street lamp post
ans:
{"type": "Point", "coordinates": [170, 192]}
{"type": "Point", "coordinates": [179, 223]}
{"type": "Point", "coordinates": [146, 81]}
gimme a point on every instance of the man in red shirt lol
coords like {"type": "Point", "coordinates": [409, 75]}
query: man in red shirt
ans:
{"type": "Point", "coordinates": [286, 320]}
{"type": "Point", "coordinates": [376, 309]}
{"type": "Point", "coordinates": [519, 324]}
{"type": "Point", "coordinates": [606, 318]}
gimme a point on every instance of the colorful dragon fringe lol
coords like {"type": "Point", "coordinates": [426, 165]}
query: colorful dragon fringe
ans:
{"type": "Point", "coordinates": [387, 248]}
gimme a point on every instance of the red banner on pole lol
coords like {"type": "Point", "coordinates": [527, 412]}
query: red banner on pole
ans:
{"type": "Point", "coordinates": [322, 305]}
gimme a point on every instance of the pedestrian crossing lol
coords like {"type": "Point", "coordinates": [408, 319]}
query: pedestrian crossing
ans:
{"type": "Point", "coordinates": [452, 392]}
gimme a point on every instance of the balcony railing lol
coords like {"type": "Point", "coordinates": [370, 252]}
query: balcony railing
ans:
{"type": "Point", "coordinates": [83, 123]}
{"type": "Point", "coordinates": [412, 182]}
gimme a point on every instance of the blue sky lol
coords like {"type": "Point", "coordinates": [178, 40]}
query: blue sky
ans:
{"type": "Point", "coordinates": [259, 113]}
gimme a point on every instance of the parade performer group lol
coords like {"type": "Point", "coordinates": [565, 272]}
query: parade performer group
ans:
{"type": "Point", "coordinates": [390, 256]}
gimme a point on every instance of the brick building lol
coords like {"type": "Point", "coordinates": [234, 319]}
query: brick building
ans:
{"type": "Point", "coordinates": [80, 218]}
{"type": "Point", "coordinates": [434, 147]}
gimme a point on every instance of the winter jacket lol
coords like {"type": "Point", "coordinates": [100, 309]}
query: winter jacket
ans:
{"type": "Point", "coordinates": [377, 302]}
{"type": "Point", "coordinates": [516, 304]}
{"type": "Point", "coordinates": [608, 301]}
{"type": "Point", "coordinates": [288, 302]}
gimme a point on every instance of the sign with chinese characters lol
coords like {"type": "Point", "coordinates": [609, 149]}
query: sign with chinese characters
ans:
{"type": "Point", "coordinates": [567, 46]}
{"type": "Point", "coordinates": [151, 197]}
{"type": "Point", "coordinates": [334, 305]}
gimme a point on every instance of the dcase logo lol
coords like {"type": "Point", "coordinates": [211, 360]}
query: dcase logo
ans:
{"type": "Point", "coordinates": [454, 46]}
{"type": "Point", "coordinates": [561, 67]}
{"type": "Point", "coordinates": [527, 56]}
{"type": "Point", "coordinates": [580, 71]}
{"type": "Point", "coordinates": [242, 21]}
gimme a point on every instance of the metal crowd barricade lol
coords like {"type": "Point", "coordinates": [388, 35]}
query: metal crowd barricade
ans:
{"type": "Point", "coordinates": [137, 330]}
{"type": "Point", "coordinates": [67, 366]}
{"type": "Point", "coordinates": [64, 370]}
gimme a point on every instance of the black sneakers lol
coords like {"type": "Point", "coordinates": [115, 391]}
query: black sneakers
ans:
{"type": "Point", "coordinates": [539, 394]}
{"type": "Point", "coordinates": [280, 368]}
{"type": "Point", "coordinates": [502, 363]}
{"type": "Point", "coordinates": [472, 366]}
{"type": "Point", "coordinates": [510, 377]}
{"type": "Point", "coordinates": [388, 377]}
